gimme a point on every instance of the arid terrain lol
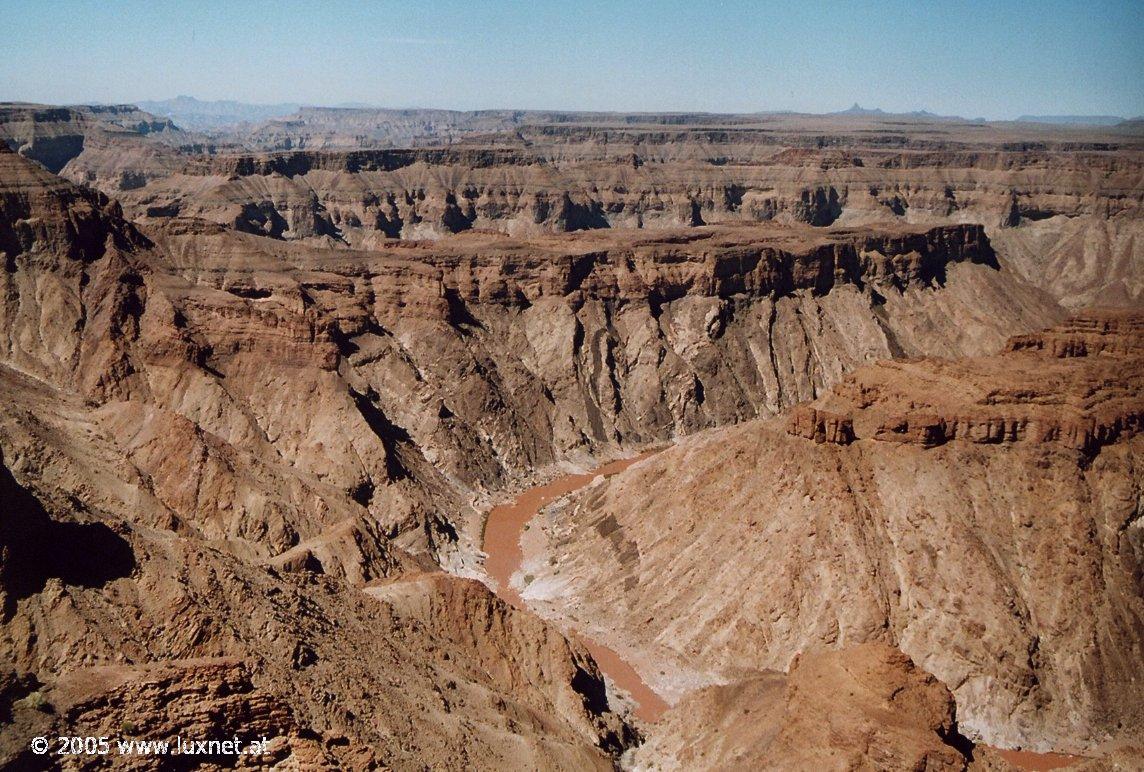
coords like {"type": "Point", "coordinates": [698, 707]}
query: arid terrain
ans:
{"type": "Point", "coordinates": [265, 384]}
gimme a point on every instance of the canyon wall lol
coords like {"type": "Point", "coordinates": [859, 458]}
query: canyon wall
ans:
{"type": "Point", "coordinates": [158, 578]}
{"type": "Point", "coordinates": [1061, 205]}
{"type": "Point", "coordinates": [485, 358]}
{"type": "Point", "coordinates": [1061, 209]}
{"type": "Point", "coordinates": [273, 391]}
{"type": "Point", "coordinates": [983, 515]}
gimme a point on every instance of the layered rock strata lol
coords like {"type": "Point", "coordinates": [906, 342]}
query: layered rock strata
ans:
{"type": "Point", "coordinates": [175, 561]}
{"type": "Point", "coordinates": [1061, 204]}
{"type": "Point", "coordinates": [237, 461]}
{"type": "Point", "coordinates": [981, 514]}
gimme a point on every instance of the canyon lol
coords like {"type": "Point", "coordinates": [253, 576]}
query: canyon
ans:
{"type": "Point", "coordinates": [971, 509]}
{"type": "Point", "coordinates": [265, 384]}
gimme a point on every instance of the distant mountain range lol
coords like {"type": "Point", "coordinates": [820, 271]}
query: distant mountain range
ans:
{"type": "Point", "coordinates": [1062, 120]}
{"type": "Point", "coordinates": [858, 110]}
{"type": "Point", "coordinates": [205, 115]}
{"type": "Point", "coordinates": [196, 115]}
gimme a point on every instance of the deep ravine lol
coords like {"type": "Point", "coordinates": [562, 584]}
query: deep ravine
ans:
{"type": "Point", "coordinates": [501, 543]}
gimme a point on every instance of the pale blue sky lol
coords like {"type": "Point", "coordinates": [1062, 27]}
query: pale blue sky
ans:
{"type": "Point", "coordinates": [995, 59]}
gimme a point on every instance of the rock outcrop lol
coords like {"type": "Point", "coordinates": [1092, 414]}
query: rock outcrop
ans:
{"type": "Point", "coordinates": [220, 445]}
{"type": "Point", "coordinates": [404, 382]}
{"type": "Point", "coordinates": [1081, 407]}
{"type": "Point", "coordinates": [174, 561]}
{"type": "Point", "coordinates": [864, 707]}
{"type": "Point", "coordinates": [497, 356]}
{"type": "Point", "coordinates": [1061, 205]}
{"type": "Point", "coordinates": [117, 147]}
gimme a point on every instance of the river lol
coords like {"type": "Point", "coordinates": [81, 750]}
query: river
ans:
{"type": "Point", "coordinates": [503, 529]}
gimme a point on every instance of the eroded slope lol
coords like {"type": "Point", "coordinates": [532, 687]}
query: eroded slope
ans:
{"type": "Point", "coordinates": [981, 515]}
{"type": "Point", "coordinates": [170, 563]}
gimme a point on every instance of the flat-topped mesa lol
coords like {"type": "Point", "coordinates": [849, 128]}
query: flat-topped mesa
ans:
{"type": "Point", "coordinates": [755, 262]}
{"type": "Point", "coordinates": [1058, 202]}
{"type": "Point", "coordinates": [1077, 385]}
{"type": "Point", "coordinates": [331, 128]}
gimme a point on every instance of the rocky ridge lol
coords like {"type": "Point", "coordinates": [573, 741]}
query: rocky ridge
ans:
{"type": "Point", "coordinates": [968, 512]}
{"type": "Point", "coordinates": [495, 356]}
{"type": "Point", "coordinates": [168, 566]}
{"type": "Point", "coordinates": [931, 403]}
{"type": "Point", "coordinates": [270, 446]}
{"type": "Point", "coordinates": [1067, 220]}
{"type": "Point", "coordinates": [117, 147]}
{"type": "Point", "coordinates": [1061, 205]}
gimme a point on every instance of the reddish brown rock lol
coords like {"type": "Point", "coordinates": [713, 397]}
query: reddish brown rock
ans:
{"type": "Point", "coordinates": [820, 426]}
{"type": "Point", "coordinates": [1035, 393]}
{"type": "Point", "coordinates": [245, 425]}
{"type": "Point", "coordinates": [983, 507]}
{"type": "Point", "coordinates": [864, 707]}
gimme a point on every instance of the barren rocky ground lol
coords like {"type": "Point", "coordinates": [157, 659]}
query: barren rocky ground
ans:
{"type": "Point", "coordinates": [262, 386]}
{"type": "Point", "coordinates": [982, 515]}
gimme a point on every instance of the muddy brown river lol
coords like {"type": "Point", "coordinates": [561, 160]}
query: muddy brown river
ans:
{"type": "Point", "coordinates": [503, 529]}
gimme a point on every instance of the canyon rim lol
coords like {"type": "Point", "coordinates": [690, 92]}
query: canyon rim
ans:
{"type": "Point", "coordinates": [607, 436]}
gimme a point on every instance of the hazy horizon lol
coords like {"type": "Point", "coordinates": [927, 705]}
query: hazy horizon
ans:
{"type": "Point", "coordinates": [998, 62]}
{"type": "Point", "coordinates": [371, 106]}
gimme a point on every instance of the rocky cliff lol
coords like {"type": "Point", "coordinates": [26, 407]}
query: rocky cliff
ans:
{"type": "Point", "coordinates": [486, 357]}
{"type": "Point", "coordinates": [982, 515]}
{"type": "Point", "coordinates": [1061, 205]}
{"type": "Point", "coordinates": [117, 147]}
{"type": "Point", "coordinates": [246, 426]}
{"type": "Point", "coordinates": [235, 460]}
{"type": "Point", "coordinates": [433, 372]}
{"type": "Point", "coordinates": [168, 565]}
